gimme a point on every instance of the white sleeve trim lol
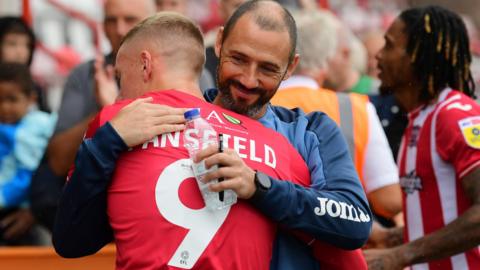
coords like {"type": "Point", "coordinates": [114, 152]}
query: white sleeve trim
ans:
{"type": "Point", "coordinates": [469, 169]}
{"type": "Point", "coordinates": [379, 168]}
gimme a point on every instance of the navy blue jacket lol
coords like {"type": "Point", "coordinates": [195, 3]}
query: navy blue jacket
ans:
{"type": "Point", "coordinates": [81, 227]}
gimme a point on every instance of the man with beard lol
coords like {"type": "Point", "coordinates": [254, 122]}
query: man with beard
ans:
{"type": "Point", "coordinates": [333, 209]}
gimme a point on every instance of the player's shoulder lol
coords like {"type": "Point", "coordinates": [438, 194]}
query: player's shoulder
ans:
{"type": "Point", "coordinates": [456, 107]}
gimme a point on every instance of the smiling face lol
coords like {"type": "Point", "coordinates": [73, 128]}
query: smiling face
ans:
{"type": "Point", "coordinates": [252, 63]}
{"type": "Point", "coordinates": [394, 63]}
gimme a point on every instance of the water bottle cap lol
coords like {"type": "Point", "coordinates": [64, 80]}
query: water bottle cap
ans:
{"type": "Point", "coordinates": [190, 114]}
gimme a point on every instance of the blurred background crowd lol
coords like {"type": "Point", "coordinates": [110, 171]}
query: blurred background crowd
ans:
{"type": "Point", "coordinates": [46, 52]}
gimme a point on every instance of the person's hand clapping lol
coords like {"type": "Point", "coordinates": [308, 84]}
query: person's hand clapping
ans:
{"type": "Point", "coordinates": [106, 89]}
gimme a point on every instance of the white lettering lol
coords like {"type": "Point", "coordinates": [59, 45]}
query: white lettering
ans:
{"type": "Point", "coordinates": [330, 211]}
{"type": "Point", "coordinates": [252, 152]}
{"type": "Point", "coordinates": [238, 145]}
{"type": "Point", "coordinates": [270, 159]}
{"type": "Point", "coordinates": [226, 140]}
{"type": "Point", "coordinates": [154, 141]}
{"type": "Point", "coordinates": [363, 217]}
{"type": "Point", "coordinates": [173, 139]}
{"type": "Point", "coordinates": [351, 210]}
{"type": "Point", "coordinates": [245, 147]}
{"type": "Point", "coordinates": [320, 211]}
{"type": "Point", "coordinates": [215, 115]}
{"type": "Point", "coordinates": [340, 209]}
{"type": "Point", "coordinates": [209, 138]}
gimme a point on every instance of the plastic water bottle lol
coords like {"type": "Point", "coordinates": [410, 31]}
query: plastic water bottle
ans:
{"type": "Point", "coordinates": [198, 135]}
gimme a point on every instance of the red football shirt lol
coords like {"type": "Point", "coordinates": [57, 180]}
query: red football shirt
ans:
{"type": "Point", "coordinates": [440, 146]}
{"type": "Point", "coordinates": [156, 210]}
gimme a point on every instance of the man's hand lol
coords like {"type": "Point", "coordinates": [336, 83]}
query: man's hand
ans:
{"type": "Point", "coordinates": [382, 237]}
{"type": "Point", "coordinates": [236, 174]}
{"type": "Point", "coordinates": [383, 259]}
{"type": "Point", "coordinates": [106, 89]}
{"type": "Point", "coordinates": [142, 120]}
{"type": "Point", "coordinates": [17, 224]}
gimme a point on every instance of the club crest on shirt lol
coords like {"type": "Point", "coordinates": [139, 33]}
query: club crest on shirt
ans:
{"type": "Point", "coordinates": [470, 128]}
{"type": "Point", "coordinates": [411, 182]}
{"type": "Point", "coordinates": [412, 141]}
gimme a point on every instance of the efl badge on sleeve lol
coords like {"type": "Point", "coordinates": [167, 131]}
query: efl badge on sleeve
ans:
{"type": "Point", "coordinates": [470, 128]}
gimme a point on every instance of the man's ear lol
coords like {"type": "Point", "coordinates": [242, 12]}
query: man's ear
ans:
{"type": "Point", "coordinates": [291, 67]}
{"type": "Point", "coordinates": [218, 42]}
{"type": "Point", "coordinates": [146, 65]}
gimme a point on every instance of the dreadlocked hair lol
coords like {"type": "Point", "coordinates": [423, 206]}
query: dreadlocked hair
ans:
{"type": "Point", "coordinates": [439, 50]}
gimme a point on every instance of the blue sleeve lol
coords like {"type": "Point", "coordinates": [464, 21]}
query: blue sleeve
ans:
{"type": "Point", "coordinates": [15, 191]}
{"type": "Point", "coordinates": [81, 226]}
{"type": "Point", "coordinates": [334, 208]}
{"type": "Point", "coordinates": [28, 139]}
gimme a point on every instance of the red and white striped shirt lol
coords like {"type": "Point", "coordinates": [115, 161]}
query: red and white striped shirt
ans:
{"type": "Point", "coordinates": [440, 146]}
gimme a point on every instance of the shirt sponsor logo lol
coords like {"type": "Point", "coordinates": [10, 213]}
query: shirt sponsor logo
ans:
{"type": "Point", "coordinates": [340, 210]}
{"type": "Point", "coordinates": [470, 128]}
{"type": "Point", "coordinates": [411, 182]}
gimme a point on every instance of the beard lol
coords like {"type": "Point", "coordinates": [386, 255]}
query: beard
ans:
{"type": "Point", "coordinates": [241, 106]}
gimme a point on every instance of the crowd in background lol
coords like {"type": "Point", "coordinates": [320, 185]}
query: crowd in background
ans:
{"type": "Point", "coordinates": [56, 73]}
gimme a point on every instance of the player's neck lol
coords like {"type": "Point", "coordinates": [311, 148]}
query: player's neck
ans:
{"type": "Point", "coordinates": [183, 85]}
{"type": "Point", "coordinates": [408, 97]}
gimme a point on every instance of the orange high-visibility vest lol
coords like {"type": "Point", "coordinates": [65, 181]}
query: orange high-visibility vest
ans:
{"type": "Point", "coordinates": [349, 111]}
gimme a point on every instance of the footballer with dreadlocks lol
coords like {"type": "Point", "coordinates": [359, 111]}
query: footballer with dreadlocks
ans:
{"type": "Point", "coordinates": [426, 65]}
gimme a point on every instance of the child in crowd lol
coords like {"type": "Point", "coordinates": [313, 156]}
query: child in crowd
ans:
{"type": "Point", "coordinates": [24, 134]}
{"type": "Point", "coordinates": [17, 45]}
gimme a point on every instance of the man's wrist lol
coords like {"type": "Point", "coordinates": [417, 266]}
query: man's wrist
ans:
{"type": "Point", "coordinates": [394, 237]}
{"type": "Point", "coordinates": [263, 183]}
{"type": "Point", "coordinates": [404, 254]}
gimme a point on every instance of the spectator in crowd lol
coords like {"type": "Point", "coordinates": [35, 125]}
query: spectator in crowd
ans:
{"type": "Point", "coordinates": [341, 75]}
{"type": "Point", "coordinates": [179, 6]}
{"type": "Point", "coordinates": [354, 114]}
{"type": "Point", "coordinates": [88, 88]}
{"type": "Point", "coordinates": [225, 10]}
{"type": "Point", "coordinates": [426, 64]}
{"type": "Point", "coordinates": [17, 45]}
{"type": "Point", "coordinates": [313, 135]}
{"type": "Point", "coordinates": [373, 42]}
{"type": "Point", "coordinates": [24, 133]}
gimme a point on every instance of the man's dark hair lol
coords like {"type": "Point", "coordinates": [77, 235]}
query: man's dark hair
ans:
{"type": "Point", "coordinates": [265, 22]}
{"type": "Point", "coordinates": [18, 74]}
{"type": "Point", "coordinates": [15, 25]}
{"type": "Point", "coordinates": [439, 49]}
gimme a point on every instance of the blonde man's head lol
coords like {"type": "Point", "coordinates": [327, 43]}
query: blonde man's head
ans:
{"type": "Point", "coordinates": [174, 36]}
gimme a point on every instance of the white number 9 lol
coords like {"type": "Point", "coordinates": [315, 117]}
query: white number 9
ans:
{"type": "Point", "coordinates": [201, 223]}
